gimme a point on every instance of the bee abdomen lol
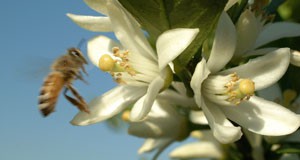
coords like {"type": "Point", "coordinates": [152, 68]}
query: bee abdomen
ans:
{"type": "Point", "coordinates": [50, 90]}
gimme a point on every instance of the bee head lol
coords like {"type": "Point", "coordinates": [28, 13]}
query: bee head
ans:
{"type": "Point", "coordinates": [76, 53]}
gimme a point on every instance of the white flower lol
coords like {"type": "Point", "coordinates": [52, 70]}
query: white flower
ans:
{"type": "Point", "coordinates": [162, 126]}
{"type": "Point", "coordinates": [206, 147]}
{"type": "Point", "coordinates": [252, 34]}
{"type": "Point", "coordinates": [295, 58]}
{"type": "Point", "coordinates": [133, 64]}
{"type": "Point", "coordinates": [230, 93]}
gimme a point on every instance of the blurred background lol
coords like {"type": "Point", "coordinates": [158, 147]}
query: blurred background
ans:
{"type": "Point", "coordinates": [33, 34]}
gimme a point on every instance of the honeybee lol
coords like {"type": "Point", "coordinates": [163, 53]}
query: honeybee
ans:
{"type": "Point", "coordinates": [64, 71]}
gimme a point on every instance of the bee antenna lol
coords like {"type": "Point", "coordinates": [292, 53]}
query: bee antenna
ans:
{"type": "Point", "coordinates": [79, 45]}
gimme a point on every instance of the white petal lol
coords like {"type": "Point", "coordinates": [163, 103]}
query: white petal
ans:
{"type": "Point", "coordinates": [263, 117]}
{"type": "Point", "coordinates": [223, 45]}
{"type": "Point", "coordinates": [198, 117]}
{"type": "Point", "coordinates": [203, 149]}
{"type": "Point", "coordinates": [222, 129]}
{"type": "Point", "coordinates": [264, 70]}
{"type": "Point", "coordinates": [229, 4]}
{"type": "Point", "coordinates": [109, 104]}
{"type": "Point", "coordinates": [162, 121]}
{"type": "Point", "coordinates": [143, 105]}
{"type": "Point", "coordinates": [97, 5]}
{"type": "Point", "coordinates": [175, 98]}
{"type": "Point", "coordinates": [200, 74]}
{"type": "Point", "coordinates": [274, 31]}
{"type": "Point", "coordinates": [295, 58]}
{"type": "Point", "coordinates": [150, 144]}
{"type": "Point", "coordinates": [92, 23]}
{"type": "Point", "coordinates": [248, 29]}
{"type": "Point", "coordinates": [99, 46]}
{"type": "Point", "coordinates": [129, 32]}
{"type": "Point", "coordinates": [172, 43]}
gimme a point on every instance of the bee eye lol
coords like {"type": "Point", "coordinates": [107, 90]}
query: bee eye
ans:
{"type": "Point", "coordinates": [75, 53]}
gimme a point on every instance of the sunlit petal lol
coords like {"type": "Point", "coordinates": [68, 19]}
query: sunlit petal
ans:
{"type": "Point", "coordinates": [274, 31]}
{"type": "Point", "coordinates": [200, 74]}
{"type": "Point", "coordinates": [150, 144]}
{"type": "Point", "coordinates": [97, 5]}
{"type": "Point", "coordinates": [203, 149]}
{"type": "Point", "coordinates": [172, 43]}
{"type": "Point", "coordinates": [109, 104]}
{"type": "Point", "coordinates": [264, 70]}
{"type": "Point", "coordinates": [223, 45]}
{"type": "Point", "coordinates": [92, 23]}
{"type": "Point", "coordinates": [223, 130]}
{"type": "Point", "coordinates": [295, 58]}
{"type": "Point", "coordinates": [143, 106]}
{"type": "Point", "coordinates": [98, 46]}
{"type": "Point", "coordinates": [198, 117]}
{"type": "Point", "coordinates": [128, 31]}
{"type": "Point", "coordinates": [263, 117]}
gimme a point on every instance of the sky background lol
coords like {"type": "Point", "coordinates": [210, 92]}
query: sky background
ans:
{"type": "Point", "coordinates": [33, 34]}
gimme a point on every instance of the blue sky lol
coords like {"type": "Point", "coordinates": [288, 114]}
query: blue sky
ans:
{"type": "Point", "coordinates": [33, 33]}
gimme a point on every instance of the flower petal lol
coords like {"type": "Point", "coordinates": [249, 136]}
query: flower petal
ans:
{"type": "Point", "coordinates": [223, 45]}
{"type": "Point", "coordinates": [203, 149]}
{"type": "Point", "coordinates": [198, 117]}
{"type": "Point", "coordinates": [264, 70]}
{"type": "Point", "coordinates": [172, 43]}
{"type": "Point", "coordinates": [128, 31]}
{"type": "Point", "coordinates": [150, 144]}
{"type": "Point", "coordinates": [109, 104]}
{"type": "Point", "coordinates": [176, 99]}
{"type": "Point", "coordinates": [200, 74]}
{"type": "Point", "coordinates": [92, 23]}
{"type": "Point", "coordinates": [274, 31]}
{"type": "Point", "coordinates": [263, 117]}
{"type": "Point", "coordinates": [97, 5]}
{"type": "Point", "coordinates": [162, 121]}
{"type": "Point", "coordinates": [248, 29]}
{"type": "Point", "coordinates": [143, 106]}
{"type": "Point", "coordinates": [222, 129]}
{"type": "Point", "coordinates": [99, 46]}
{"type": "Point", "coordinates": [295, 58]}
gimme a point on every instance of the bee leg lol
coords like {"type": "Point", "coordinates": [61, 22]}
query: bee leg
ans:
{"type": "Point", "coordinates": [84, 71]}
{"type": "Point", "coordinates": [80, 77]}
{"type": "Point", "coordinates": [79, 102]}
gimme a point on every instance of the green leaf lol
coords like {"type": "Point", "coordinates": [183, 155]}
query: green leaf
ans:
{"type": "Point", "coordinates": [157, 16]}
{"type": "Point", "coordinates": [289, 148]}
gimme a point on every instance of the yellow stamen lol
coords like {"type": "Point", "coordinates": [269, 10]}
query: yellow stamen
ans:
{"type": "Point", "coordinates": [125, 116]}
{"type": "Point", "coordinates": [239, 90]}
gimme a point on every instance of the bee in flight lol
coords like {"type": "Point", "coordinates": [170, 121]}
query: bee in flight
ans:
{"type": "Point", "coordinates": [64, 71]}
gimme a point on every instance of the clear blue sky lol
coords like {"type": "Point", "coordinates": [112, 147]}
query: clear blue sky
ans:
{"type": "Point", "coordinates": [33, 33]}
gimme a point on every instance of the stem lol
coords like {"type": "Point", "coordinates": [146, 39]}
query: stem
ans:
{"type": "Point", "coordinates": [244, 147]}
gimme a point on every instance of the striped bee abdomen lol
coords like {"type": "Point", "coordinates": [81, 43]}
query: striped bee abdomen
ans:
{"type": "Point", "coordinates": [50, 91]}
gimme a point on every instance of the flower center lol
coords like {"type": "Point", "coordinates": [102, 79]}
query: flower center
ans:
{"type": "Point", "coordinates": [116, 65]}
{"type": "Point", "coordinates": [229, 88]}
